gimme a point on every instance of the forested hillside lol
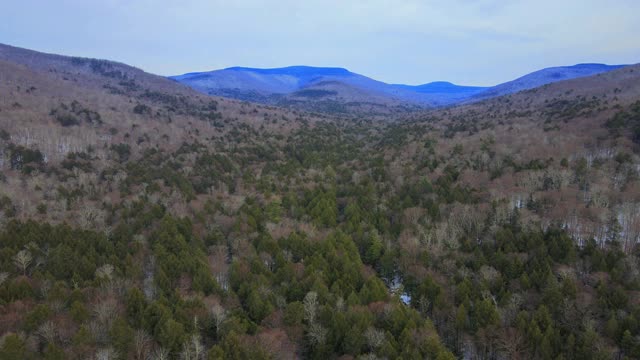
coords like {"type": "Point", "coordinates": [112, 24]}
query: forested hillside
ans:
{"type": "Point", "coordinates": [140, 219]}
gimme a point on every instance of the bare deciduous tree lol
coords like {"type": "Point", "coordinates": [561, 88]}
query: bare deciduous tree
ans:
{"type": "Point", "coordinates": [160, 354]}
{"type": "Point", "coordinates": [489, 274]}
{"type": "Point", "coordinates": [310, 307]}
{"type": "Point", "coordinates": [141, 343]}
{"type": "Point", "coordinates": [108, 353]}
{"type": "Point", "coordinates": [317, 334]}
{"type": "Point", "coordinates": [193, 349]}
{"type": "Point", "coordinates": [375, 338]}
{"type": "Point", "coordinates": [105, 272]}
{"type": "Point", "coordinates": [512, 343]}
{"type": "Point", "coordinates": [105, 312]}
{"type": "Point", "coordinates": [629, 218]}
{"type": "Point", "coordinates": [48, 332]}
{"type": "Point", "coordinates": [219, 315]}
{"type": "Point", "coordinates": [219, 265]}
{"type": "Point", "coordinates": [22, 260]}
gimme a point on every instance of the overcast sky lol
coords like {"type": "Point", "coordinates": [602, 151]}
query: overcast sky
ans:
{"type": "Point", "coordinates": [471, 42]}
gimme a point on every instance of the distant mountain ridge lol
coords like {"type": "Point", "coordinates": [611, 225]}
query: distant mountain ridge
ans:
{"type": "Point", "coordinates": [442, 87]}
{"type": "Point", "coordinates": [547, 76]}
{"type": "Point", "coordinates": [298, 70]}
{"type": "Point", "coordinates": [278, 81]}
{"type": "Point", "coordinates": [282, 86]}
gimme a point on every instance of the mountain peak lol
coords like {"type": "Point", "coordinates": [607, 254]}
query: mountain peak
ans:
{"type": "Point", "coordinates": [594, 65]}
{"type": "Point", "coordinates": [440, 83]}
{"type": "Point", "coordinates": [297, 70]}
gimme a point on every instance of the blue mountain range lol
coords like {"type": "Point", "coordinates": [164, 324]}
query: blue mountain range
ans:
{"type": "Point", "coordinates": [338, 84]}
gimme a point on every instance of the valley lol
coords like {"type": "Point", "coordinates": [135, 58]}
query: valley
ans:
{"type": "Point", "coordinates": [316, 213]}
